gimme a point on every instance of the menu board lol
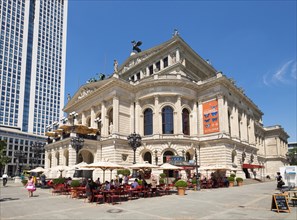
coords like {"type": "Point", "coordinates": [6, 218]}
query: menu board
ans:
{"type": "Point", "coordinates": [280, 203]}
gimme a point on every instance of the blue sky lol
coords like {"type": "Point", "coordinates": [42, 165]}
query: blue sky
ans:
{"type": "Point", "coordinates": [253, 42]}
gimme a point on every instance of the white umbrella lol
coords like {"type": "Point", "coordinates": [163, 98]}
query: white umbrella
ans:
{"type": "Point", "coordinates": [37, 170]}
{"type": "Point", "coordinates": [104, 165]}
{"type": "Point", "coordinates": [168, 166]}
{"type": "Point", "coordinates": [137, 166]}
{"type": "Point", "coordinates": [60, 168]}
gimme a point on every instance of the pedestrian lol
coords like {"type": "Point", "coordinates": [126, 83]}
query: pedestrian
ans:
{"type": "Point", "coordinates": [4, 178]}
{"type": "Point", "coordinates": [279, 180]}
{"type": "Point", "coordinates": [30, 186]}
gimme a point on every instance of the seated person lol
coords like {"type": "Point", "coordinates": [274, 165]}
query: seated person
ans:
{"type": "Point", "coordinates": [135, 184]}
{"type": "Point", "coordinates": [107, 185]}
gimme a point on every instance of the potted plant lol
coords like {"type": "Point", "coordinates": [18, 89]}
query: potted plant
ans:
{"type": "Point", "coordinates": [239, 181]}
{"type": "Point", "coordinates": [181, 186]}
{"type": "Point", "coordinates": [231, 180]}
{"type": "Point", "coordinates": [194, 183]}
{"type": "Point", "coordinates": [74, 184]}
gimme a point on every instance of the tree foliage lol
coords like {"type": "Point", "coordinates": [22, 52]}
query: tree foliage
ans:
{"type": "Point", "coordinates": [3, 158]}
{"type": "Point", "coordinates": [292, 156]}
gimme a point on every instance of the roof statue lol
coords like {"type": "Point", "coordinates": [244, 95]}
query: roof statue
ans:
{"type": "Point", "coordinates": [175, 32]}
{"type": "Point", "coordinates": [136, 46]}
{"type": "Point", "coordinates": [115, 66]}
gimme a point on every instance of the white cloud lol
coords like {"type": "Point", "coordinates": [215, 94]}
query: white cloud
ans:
{"type": "Point", "coordinates": [283, 75]}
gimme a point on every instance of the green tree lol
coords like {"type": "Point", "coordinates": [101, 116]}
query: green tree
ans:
{"type": "Point", "coordinates": [292, 156]}
{"type": "Point", "coordinates": [3, 158]}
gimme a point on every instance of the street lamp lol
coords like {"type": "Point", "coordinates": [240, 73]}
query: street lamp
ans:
{"type": "Point", "coordinates": [37, 148]}
{"type": "Point", "coordinates": [134, 140]}
{"type": "Point", "coordinates": [98, 121]}
{"type": "Point", "coordinates": [73, 115]}
{"type": "Point", "coordinates": [77, 143]}
{"type": "Point", "coordinates": [19, 155]}
{"type": "Point", "coordinates": [156, 157]}
{"type": "Point", "coordinates": [197, 174]}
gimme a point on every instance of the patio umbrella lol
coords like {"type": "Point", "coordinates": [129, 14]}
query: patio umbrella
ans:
{"type": "Point", "coordinates": [142, 166]}
{"type": "Point", "coordinates": [60, 168]}
{"type": "Point", "coordinates": [51, 134]}
{"type": "Point", "coordinates": [167, 167]}
{"type": "Point", "coordinates": [103, 165]}
{"type": "Point", "coordinates": [37, 170]}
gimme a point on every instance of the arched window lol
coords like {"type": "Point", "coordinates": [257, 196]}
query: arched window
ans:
{"type": "Point", "coordinates": [186, 121]}
{"type": "Point", "coordinates": [147, 157]}
{"type": "Point", "coordinates": [148, 122]}
{"type": "Point", "coordinates": [167, 120]}
{"type": "Point", "coordinates": [166, 154]}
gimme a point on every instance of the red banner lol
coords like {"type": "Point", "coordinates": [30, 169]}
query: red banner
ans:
{"type": "Point", "coordinates": [211, 117]}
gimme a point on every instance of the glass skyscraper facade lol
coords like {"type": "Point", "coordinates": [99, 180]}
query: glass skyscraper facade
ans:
{"type": "Point", "coordinates": [32, 69]}
{"type": "Point", "coordinates": [32, 63]}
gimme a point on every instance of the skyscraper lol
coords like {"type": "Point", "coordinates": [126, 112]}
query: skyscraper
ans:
{"type": "Point", "coordinates": [32, 63]}
{"type": "Point", "coordinates": [32, 66]}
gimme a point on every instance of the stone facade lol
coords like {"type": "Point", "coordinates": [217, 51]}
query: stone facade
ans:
{"type": "Point", "coordinates": [177, 102]}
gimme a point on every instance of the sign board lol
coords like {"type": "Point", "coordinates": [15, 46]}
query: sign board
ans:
{"type": "Point", "coordinates": [280, 203]}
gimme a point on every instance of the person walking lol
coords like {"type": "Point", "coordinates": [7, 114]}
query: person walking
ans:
{"type": "Point", "coordinates": [30, 186]}
{"type": "Point", "coordinates": [4, 179]}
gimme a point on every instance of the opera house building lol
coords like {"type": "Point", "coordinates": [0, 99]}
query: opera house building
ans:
{"type": "Point", "coordinates": [178, 104]}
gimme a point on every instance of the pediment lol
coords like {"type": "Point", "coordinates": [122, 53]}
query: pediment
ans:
{"type": "Point", "coordinates": [187, 59]}
{"type": "Point", "coordinates": [86, 90]}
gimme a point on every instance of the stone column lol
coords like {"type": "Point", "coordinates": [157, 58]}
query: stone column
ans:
{"type": "Point", "coordinates": [234, 122]}
{"type": "Point", "coordinates": [132, 119]}
{"type": "Point", "coordinates": [223, 114]}
{"type": "Point", "coordinates": [157, 129]}
{"type": "Point", "coordinates": [177, 55]}
{"type": "Point", "coordinates": [178, 128]}
{"type": "Point", "coordinates": [161, 64]}
{"type": "Point", "coordinates": [251, 130]}
{"type": "Point", "coordinates": [115, 105]}
{"type": "Point", "coordinates": [137, 116]}
{"type": "Point", "coordinates": [244, 132]}
{"type": "Point", "coordinates": [104, 120]}
{"type": "Point", "coordinates": [194, 120]}
{"type": "Point", "coordinates": [93, 116]}
{"type": "Point", "coordinates": [83, 118]}
{"type": "Point", "coordinates": [200, 118]}
{"type": "Point", "coordinates": [46, 160]}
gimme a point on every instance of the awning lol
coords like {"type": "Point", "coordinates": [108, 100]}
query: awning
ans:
{"type": "Point", "coordinates": [251, 166]}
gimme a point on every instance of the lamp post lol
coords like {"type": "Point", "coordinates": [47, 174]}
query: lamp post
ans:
{"type": "Point", "coordinates": [197, 174]}
{"type": "Point", "coordinates": [73, 115]}
{"type": "Point", "coordinates": [37, 148]}
{"type": "Point", "coordinates": [77, 143]}
{"type": "Point", "coordinates": [156, 157]}
{"type": "Point", "coordinates": [134, 140]}
{"type": "Point", "coordinates": [19, 155]}
{"type": "Point", "coordinates": [98, 121]}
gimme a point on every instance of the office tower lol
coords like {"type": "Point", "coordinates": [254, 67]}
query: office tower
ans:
{"type": "Point", "coordinates": [32, 64]}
